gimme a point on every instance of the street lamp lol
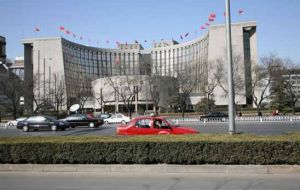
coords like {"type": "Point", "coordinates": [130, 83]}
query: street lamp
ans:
{"type": "Point", "coordinates": [230, 74]}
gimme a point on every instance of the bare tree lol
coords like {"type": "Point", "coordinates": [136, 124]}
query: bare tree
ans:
{"type": "Point", "coordinates": [209, 83]}
{"type": "Point", "coordinates": [126, 86]}
{"type": "Point", "coordinates": [84, 90]}
{"type": "Point", "coordinates": [290, 75]}
{"type": "Point", "coordinates": [186, 84]}
{"type": "Point", "coordinates": [238, 79]}
{"type": "Point", "coordinates": [57, 95]}
{"type": "Point", "coordinates": [11, 87]}
{"type": "Point", "coordinates": [268, 71]}
{"type": "Point", "coordinates": [103, 98]}
{"type": "Point", "coordinates": [155, 85]}
{"type": "Point", "coordinates": [38, 101]}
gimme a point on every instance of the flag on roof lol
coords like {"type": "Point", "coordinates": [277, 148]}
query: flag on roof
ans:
{"type": "Point", "coordinates": [107, 41]}
{"type": "Point", "coordinates": [202, 27]}
{"type": "Point", "coordinates": [181, 37]}
{"type": "Point", "coordinates": [224, 14]}
{"type": "Point", "coordinates": [74, 35]}
{"type": "Point", "coordinates": [212, 15]}
{"type": "Point", "coordinates": [186, 34]}
{"type": "Point", "coordinates": [118, 43]}
{"type": "Point", "coordinates": [37, 29]}
{"type": "Point", "coordinates": [241, 11]}
{"type": "Point", "coordinates": [80, 37]}
{"type": "Point", "coordinates": [61, 28]}
{"type": "Point", "coordinates": [136, 41]}
{"type": "Point", "coordinates": [145, 41]}
{"type": "Point", "coordinates": [210, 19]}
{"type": "Point", "coordinates": [68, 32]}
{"type": "Point", "coordinates": [207, 24]}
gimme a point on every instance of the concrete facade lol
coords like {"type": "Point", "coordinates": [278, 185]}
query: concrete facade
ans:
{"type": "Point", "coordinates": [71, 62]}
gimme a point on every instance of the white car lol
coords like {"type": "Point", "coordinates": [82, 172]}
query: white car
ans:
{"type": "Point", "coordinates": [117, 118]}
{"type": "Point", "coordinates": [14, 122]}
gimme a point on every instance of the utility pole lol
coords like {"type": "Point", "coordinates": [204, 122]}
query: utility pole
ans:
{"type": "Point", "coordinates": [230, 74]}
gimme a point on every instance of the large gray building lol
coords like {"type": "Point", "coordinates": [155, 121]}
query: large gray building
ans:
{"type": "Point", "coordinates": [49, 60]}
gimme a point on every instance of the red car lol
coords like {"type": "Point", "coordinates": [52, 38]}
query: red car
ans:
{"type": "Point", "coordinates": [148, 125]}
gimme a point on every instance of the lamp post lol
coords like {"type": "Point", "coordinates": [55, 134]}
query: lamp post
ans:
{"type": "Point", "coordinates": [230, 74]}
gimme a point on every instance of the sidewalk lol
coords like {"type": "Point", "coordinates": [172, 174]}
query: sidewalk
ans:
{"type": "Point", "coordinates": [159, 168]}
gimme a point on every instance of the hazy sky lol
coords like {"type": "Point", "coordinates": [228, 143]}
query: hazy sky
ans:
{"type": "Point", "coordinates": [278, 21]}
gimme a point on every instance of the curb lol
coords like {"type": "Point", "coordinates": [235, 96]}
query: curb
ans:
{"type": "Point", "coordinates": [160, 168]}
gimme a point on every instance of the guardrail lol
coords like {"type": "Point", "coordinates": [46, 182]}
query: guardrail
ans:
{"type": "Point", "coordinates": [237, 119]}
{"type": "Point", "coordinates": [3, 125]}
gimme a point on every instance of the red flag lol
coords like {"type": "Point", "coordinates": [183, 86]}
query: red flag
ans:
{"type": "Point", "coordinates": [241, 11]}
{"type": "Point", "coordinates": [186, 34]}
{"type": "Point", "coordinates": [212, 15]}
{"type": "Point", "coordinates": [210, 19]}
{"type": "Point", "coordinates": [202, 28]}
{"type": "Point", "coordinates": [68, 32]}
{"type": "Point", "coordinates": [61, 28]}
{"type": "Point", "coordinates": [36, 29]}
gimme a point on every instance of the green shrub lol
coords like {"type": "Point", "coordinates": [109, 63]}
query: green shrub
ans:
{"type": "Point", "coordinates": [192, 149]}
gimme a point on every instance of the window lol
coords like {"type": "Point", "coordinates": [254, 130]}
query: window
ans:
{"type": "Point", "coordinates": [143, 123]}
{"type": "Point", "coordinates": [36, 119]}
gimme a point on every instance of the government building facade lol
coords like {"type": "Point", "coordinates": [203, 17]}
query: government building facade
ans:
{"type": "Point", "coordinates": [50, 63]}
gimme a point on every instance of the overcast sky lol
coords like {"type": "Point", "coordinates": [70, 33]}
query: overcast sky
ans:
{"type": "Point", "coordinates": [278, 21]}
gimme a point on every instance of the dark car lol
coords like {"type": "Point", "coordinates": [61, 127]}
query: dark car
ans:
{"type": "Point", "coordinates": [42, 122]}
{"type": "Point", "coordinates": [83, 120]}
{"type": "Point", "coordinates": [214, 116]}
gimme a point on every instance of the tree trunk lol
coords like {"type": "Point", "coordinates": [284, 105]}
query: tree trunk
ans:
{"type": "Point", "coordinates": [293, 108]}
{"type": "Point", "coordinates": [182, 112]}
{"type": "Point", "coordinates": [15, 114]}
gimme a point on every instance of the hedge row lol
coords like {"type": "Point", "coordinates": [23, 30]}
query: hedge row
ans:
{"type": "Point", "coordinates": [198, 152]}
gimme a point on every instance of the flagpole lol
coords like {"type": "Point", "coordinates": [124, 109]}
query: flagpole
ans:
{"type": "Point", "coordinates": [230, 73]}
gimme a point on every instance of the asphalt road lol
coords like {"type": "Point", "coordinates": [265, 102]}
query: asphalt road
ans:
{"type": "Point", "coordinates": [274, 128]}
{"type": "Point", "coordinates": [140, 181]}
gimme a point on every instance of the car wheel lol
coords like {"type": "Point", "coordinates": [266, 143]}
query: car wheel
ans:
{"type": "Point", "coordinates": [106, 122]}
{"type": "Point", "coordinates": [25, 128]}
{"type": "Point", "coordinates": [53, 128]}
{"type": "Point", "coordinates": [91, 125]}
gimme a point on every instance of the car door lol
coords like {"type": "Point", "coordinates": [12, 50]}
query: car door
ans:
{"type": "Point", "coordinates": [161, 128]}
{"type": "Point", "coordinates": [119, 118]}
